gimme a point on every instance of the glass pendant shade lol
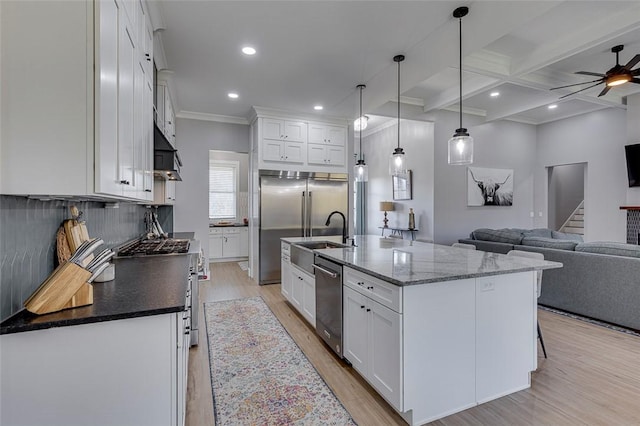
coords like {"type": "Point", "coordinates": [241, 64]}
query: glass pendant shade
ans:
{"type": "Point", "coordinates": [360, 123]}
{"type": "Point", "coordinates": [361, 171]}
{"type": "Point", "coordinates": [397, 163]}
{"type": "Point", "coordinates": [461, 148]}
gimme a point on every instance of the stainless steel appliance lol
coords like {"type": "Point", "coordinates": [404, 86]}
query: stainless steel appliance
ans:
{"type": "Point", "coordinates": [329, 302]}
{"type": "Point", "coordinates": [296, 204]}
{"type": "Point", "coordinates": [172, 247]}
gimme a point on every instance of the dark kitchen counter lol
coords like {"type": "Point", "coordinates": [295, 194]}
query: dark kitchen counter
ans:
{"type": "Point", "coordinates": [143, 286]}
{"type": "Point", "coordinates": [233, 225]}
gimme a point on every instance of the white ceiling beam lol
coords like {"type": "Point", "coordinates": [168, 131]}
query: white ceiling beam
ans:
{"type": "Point", "coordinates": [439, 50]}
{"type": "Point", "coordinates": [470, 87]}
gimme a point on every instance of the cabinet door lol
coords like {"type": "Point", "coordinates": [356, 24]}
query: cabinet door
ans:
{"type": "Point", "coordinates": [293, 152]}
{"type": "Point", "coordinates": [336, 135]}
{"type": "Point", "coordinates": [385, 352]}
{"type": "Point", "coordinates": [285, 279]}
{"type": "Point", "coordinates": [295, 131]}
{"type": "Point", "coordinates": [316, 154]}
{"type": "Point", "coordinates": [296, 289]}
{"type": "Point", "coordinates": [107, 179]}
{"type": "Point", "coordinates": [126, 100]}
{"type": "Point", "coordinates": [139, 143]}
{"type": "Point", "coordinates": [355, 329]}
{"type": "Point", "coordinates": [272, 129]}
{"type": "Point", "coordinates": [335, 155]}
{"type": "Point", "coordinates": [244, 242]}
{"type": "Point", "coordinates": [309, 299]}
{"type": "Point", "coordinates": [231, 246]}
{"type": "Point", "coordinates": [317, 133]}
{"type": "Point", "coordinates": [148, 140]}
{"type": "Point", "coordinates": [272, 150]}
{"type": "Point", "coordinates": [215, 246]}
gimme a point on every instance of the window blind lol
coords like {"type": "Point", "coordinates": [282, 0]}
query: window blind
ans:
{"type": "Point", "coordinates": [223, 184]}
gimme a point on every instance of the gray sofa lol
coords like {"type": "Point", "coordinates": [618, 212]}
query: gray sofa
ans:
{"type": "Point", "coordinates": [599, 280]}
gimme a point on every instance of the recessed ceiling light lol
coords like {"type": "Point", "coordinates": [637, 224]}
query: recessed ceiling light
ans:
{"type": "Point", "coordinates": [318, 107]}
{"type": "Point", "coordinates": [494, 94]}
{"type": "Point", "coordinates": [553, 106]}
{"type": "Point", "coordinates": [248, 50]}
{"type": "Point", "coordinates": [232, 95]}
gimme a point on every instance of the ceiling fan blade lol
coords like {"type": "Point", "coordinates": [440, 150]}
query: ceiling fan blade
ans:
{"type": "Point", "coordinates": [589, 73]}
{"type": "Point", "coordinates": [578, 91]}
{"type": "Point", "coordinates": [576, 84]}
{"type": "Point", "coordinates": [635, 80]}
{"type": "Point", "coordinates": [632, 62]}
{"type": "Point", "coordinates": [604, 91]}
{"type": "Point", "coordinates": [635, 72]}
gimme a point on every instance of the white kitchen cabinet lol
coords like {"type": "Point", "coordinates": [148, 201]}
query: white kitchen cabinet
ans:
{"type": "Point", "coordinates": [122, 372]}
{"type": "Point", "coordinates": [86, 109]}
{"type": "Point", "coordinates": [165, 117]}
{"type": "Point", "coordinates": [303, 294]}
{"type": "Point", "coordinates": [282, 151]}
{"type": "Point", "coordinates": [227, 243]}
{"type": "Point", "coordinates": [325, 134]}
{"type": "Point", "coordinates": [286, 278]}
{"type": "Point", "coordinates": [164, 192]}
{"type": "Point", "coordinates": [372, 344]}
{"type": "Point", "coordinates": [328, 155]}
{"type": "Point", "coordinates": [285, 130]}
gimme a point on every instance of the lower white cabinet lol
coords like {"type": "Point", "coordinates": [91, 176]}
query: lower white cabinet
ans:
{"type": "Point", "coordinates": [299, 288]}
{"type": "Point", "coordinates": [372, 342]}
{"type": "Point", "coordinates": [122, 372]}
{"type": "Point", "coordinates": [228, 243]}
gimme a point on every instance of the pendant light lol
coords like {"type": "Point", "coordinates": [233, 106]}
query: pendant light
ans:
{"type": "Point", "coordinates": [361, 171]}
{"type": "Point", "coordinates": [461, 144]}
{"type": "Point", "coordinates": [397, 161]}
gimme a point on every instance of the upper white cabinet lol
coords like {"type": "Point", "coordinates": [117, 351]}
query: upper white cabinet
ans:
{"type": "Point", "coordinates": [165, 118]}
{"type": "Point", "coordinates": [292, 143]}
{"type": "Point", "coordinates": [84, 130]}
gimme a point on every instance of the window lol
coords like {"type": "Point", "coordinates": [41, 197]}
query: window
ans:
{"type": "Point", "coordinates": [223, 188]}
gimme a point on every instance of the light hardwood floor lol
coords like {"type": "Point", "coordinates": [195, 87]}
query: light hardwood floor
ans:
{"type": "Point", "coordinates": [592, 375]}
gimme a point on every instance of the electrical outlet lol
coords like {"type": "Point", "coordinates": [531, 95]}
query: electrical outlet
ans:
{"type": "Point", "coordinates": [539, 214]}
{"type": "Point", "coordinates": [531, 214]}
{"type": "Point", "coordinates": [488, 286]}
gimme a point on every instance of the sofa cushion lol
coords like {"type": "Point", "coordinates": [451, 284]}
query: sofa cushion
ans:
{"type": "Point", "coordinates": [606, 247]}
{"type": "Point", "coordinates": [548, 243]}
{"type": "Point", "coordinates": [566, 236]}
{"type": "Point", "coordinates": [497, 235]}
{"type": "Point", "coordinates": [538, 232]}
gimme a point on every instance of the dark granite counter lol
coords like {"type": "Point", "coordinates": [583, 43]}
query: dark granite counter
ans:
{"type": "Point", "coordinates": [143, 286]}
{"type": "Point", "coordinates": [236, 225]}
{"type": "Point", "coordinates": [403, 262]}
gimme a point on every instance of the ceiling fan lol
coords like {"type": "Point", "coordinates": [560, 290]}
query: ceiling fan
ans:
{"type": "Point", "coordinates": [614, 77]}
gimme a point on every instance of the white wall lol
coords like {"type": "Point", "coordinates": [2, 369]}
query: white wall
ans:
{"type": "Point", "coordinates": [416, 138]}
{"type": "Point", "coordinates": [598, 139]}
{"type": "Point", "coordinates": [633, 137]}
{"type": "Point", "coordinates": [195, 139]}
{"type": "Point", "coordinates": [501, 145]}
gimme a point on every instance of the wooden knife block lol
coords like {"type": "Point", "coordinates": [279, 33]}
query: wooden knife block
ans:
{"type": "Point", "coordinates": [66, 287]}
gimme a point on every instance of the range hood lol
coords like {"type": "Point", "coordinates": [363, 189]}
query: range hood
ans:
{"type": "Point", "coordinates": [166, 161]}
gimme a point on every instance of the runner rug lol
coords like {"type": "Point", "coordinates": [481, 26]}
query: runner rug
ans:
{"type": "Point", "coordinates": [258, 373]}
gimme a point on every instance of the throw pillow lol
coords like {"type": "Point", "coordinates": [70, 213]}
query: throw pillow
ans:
{"type": "Point", "coordinates": [607, 247]}
{"type": "Point", "coordinates": [549, 243]}
{"type": "Point", "coordinates": [497, 235]}
{"type": "Point", "coordinates": [538, 232]}
{"type": "Point", "coordinates": [566, 236]}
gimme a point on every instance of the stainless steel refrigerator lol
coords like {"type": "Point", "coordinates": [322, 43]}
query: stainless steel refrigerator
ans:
{"type": "Point", "coordinates": [297, 204]}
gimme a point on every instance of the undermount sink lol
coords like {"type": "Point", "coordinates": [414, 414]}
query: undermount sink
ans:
{"type": "Point", "coordinates": [302, 252]}
{"type": "Point", "coordinates": [316, 245]}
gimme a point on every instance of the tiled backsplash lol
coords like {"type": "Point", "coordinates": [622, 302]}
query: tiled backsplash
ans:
{"type": "Point", "coordinates": [28, 239]}
{"type": "Point", "coordinates": [633, 226]}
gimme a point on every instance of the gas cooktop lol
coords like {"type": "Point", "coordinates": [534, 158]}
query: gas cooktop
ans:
{"type": "Point", "coordinates": [154, 247]}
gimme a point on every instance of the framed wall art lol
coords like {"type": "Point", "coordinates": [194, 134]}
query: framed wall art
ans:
{"type": "Point", "coordinates": [489, 187]}
{"type": "Point", "coordinates": [402, 186]}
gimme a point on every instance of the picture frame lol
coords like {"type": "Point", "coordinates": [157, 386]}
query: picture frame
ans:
{"type": "Point", "coordinates": [402, 186]}
{"type": "Point", "coordinates": [489, 187]}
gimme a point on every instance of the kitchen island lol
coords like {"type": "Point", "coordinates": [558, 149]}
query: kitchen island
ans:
{"type": "Point", "coordinates": [435, 329]}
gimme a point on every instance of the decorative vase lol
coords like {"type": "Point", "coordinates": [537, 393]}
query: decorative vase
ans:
{"type": "Point", "coordinates": [412, 219]}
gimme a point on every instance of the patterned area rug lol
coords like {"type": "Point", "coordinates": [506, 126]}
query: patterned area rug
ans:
{"type": "Point", "coordinates": [259, 375]}
{"type": "Point", "coordinates": [243, 265]}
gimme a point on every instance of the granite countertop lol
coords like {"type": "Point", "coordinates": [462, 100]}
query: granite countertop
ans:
{"type": "Point", "coordinates": [241, 225]}
{"type": "Point", "coordinates": [293, 240]}
{"type": "Point", "coordinates": [143, 286]}
{"type": "Point", "coordinates": [403, 262]}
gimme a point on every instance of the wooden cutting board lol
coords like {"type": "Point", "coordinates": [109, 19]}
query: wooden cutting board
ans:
{"type": "Point", "coordinates": [76, 232]}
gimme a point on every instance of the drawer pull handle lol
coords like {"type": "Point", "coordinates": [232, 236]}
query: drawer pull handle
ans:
{"type": "Point", "coordinates": [362, 307]}
{"type": "Point", "coordinates": [368, 310]}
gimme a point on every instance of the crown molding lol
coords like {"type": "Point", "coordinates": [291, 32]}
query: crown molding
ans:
{"type": "Point", "coordinates": [258, 111]}
{"type": "Point", "coordinates": [212, 117]}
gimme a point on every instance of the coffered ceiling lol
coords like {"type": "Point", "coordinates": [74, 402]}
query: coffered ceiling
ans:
{"type": "Point", "coordinates": [317, 52]}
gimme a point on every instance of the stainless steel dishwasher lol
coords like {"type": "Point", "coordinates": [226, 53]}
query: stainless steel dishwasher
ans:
{"type": "Point", "coordinates": [329, 302]}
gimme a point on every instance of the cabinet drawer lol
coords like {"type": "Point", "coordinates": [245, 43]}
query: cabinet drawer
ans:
{"type": "Point", "coordinates": [215, 231]}
{"type": "Point", "coordinates": [386, 294]}
{"type": "Point", "coordinates": [229, 231]}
